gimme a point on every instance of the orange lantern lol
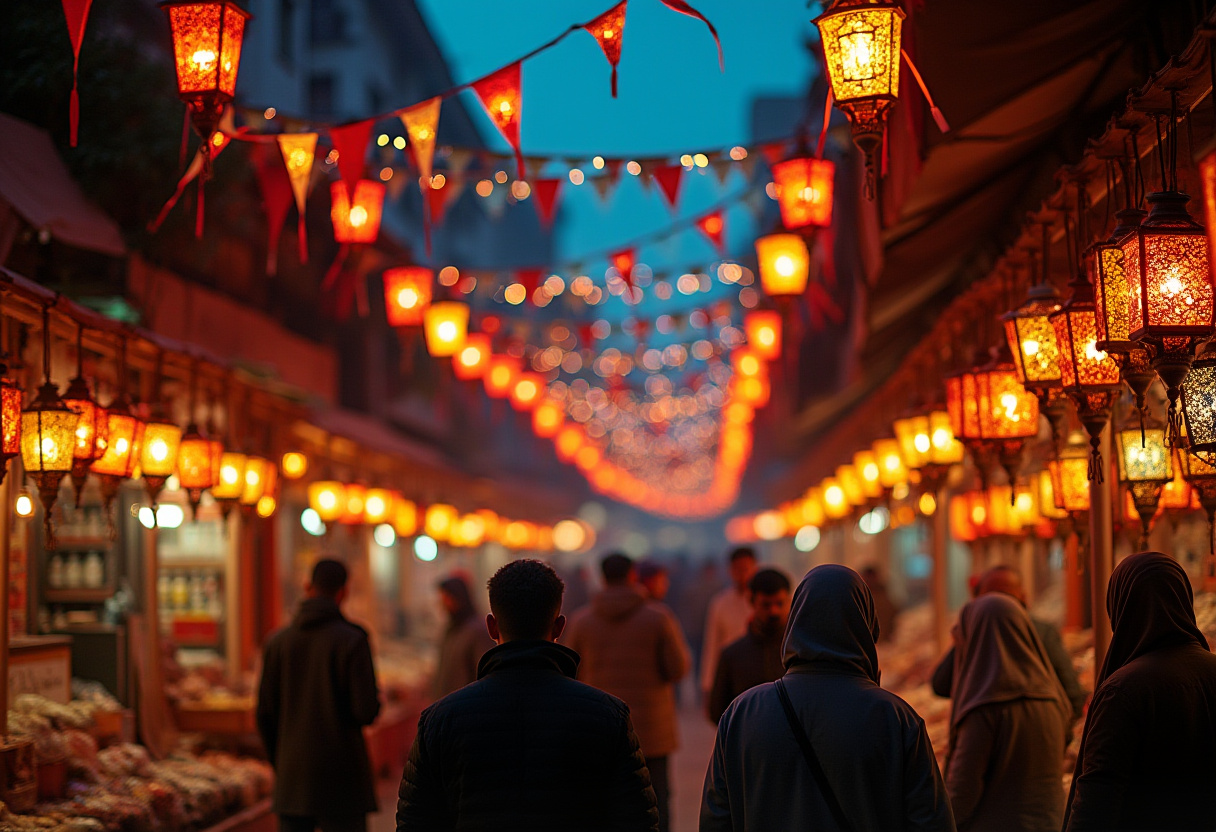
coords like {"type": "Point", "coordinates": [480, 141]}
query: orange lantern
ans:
{"type": "Point", "coordinates": [1112, 296]}
{"type": "Point", "coordinates": [230, 484]}
{"type": "Point", "coordinates": [90, 428]}
{"type": "Point", "coordinates": [746, 362]}
{"type": "Point", "coordinates": [851, 484]}
{"type": "Point", "coordinates": [378, 506]}
{"type": "Point", "coordinates": [195, 466]}
{"type": "Point", "coordinates": [439, 520]}
{"type": "Point", "coordinates": [500, 376]}
{"type": "Point", "coordinates": [446, 325]}
{"type": "Point", "coordinates": [804, 191]}
{"type": "Point", "coordinates": [527, 390]}
{"type": "Point", "coordinates": [587, 457]}
{"type": "Point", "coordinates": [294, 465]}
{"type": "Point", "coordinates": [356, 220]}
{"type": "Point", "coordinates": [354, 497]}
{"type": "Point", "coordinates": [569, 440]}
{"type": "Point", "coordinates": [158, 454]}
{"type": "Point", "coordinates": [891, 468]}
{"type": "Point", "coordinates": [963, 405]}
{"type": "Point", "coordinates": [207, 39]}
{"type": "Point", "coordinates": [11, 396]}
{"type": "Point", "coordinates": [405, 518]}
{"type": "Point", "coordinates": [835, 502]}
{"type": "Point", "coordinates": [328, 499]}
{"type": "Point", "coordinates": [260, 477]}
{"type": "Point", "coordinates": [915, 443]}
{"type": "Point", "coordinates": [763, 330]}
{"type": "Point", "coordinates": [1176, 494]}
{"type": "Point", "coordinates": [473, 358]}
{"type": "Point", "coordinates": [547, 418]}
{"type": "Point", "coordinates": [407, 294]}
{"type": "Point", "coordinates": [865, 463]}
{"type": "Point", "coordinates": [785, 264]}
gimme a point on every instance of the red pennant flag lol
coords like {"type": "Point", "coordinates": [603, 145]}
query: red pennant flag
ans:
{"type": "Point", "coordinates": [421, 124]}
{"type": "Point", "coordinates": [277, 197]}
{"type": "Point", "coordinates": [669, 178]}
{"type": "Point", "coordinates": [623, 260]}
{"type": "Point", "coordinates": [350, 140]}
{"type": "Point", "coordinates": [608, 29]}
{"type": "Point", "coordinates": [529, 278]}
{"type": "Point", "coordinates": [544, 191]}
{"type": "Point", "coordinates": [713, 226]}
{"type": "Point", "coordinates": [77, 14]}
{"type": "Point", "coordinates": [683, 8]}
{"type": "Point", "coordinates": [774, 152]}
{"type": "Point", "coordinates": [613, 166]}
{"type": "Point", "coordinates": [502, 95]}
{"type": "Point", "coordinates": [436, 200]}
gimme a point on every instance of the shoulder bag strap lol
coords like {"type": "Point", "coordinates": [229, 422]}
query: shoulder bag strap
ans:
{"type": "Point", "coordinates": [812, 760]}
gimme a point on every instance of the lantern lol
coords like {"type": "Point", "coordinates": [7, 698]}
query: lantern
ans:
{"type": "Point", "coordinates": [861, 48]}
{"type": "Point", "coordinates": [850, 484]}
{"type": "Point", "coordinates": [294, 465]}
{"type": "Point", "coordinates": [526, 391]}
{"type": "Point", "coordinates": [1008, 414]}
{"type": "Point", "coordinates": [891, 469]}
{"type": "Point", "coordinates": [230, 484]}
{"type": "Point", "coordinates": [446, 325]}
{"type": "Point", "coordinates": [944, 448]}
{"type": "Point", "coordinates": [915, 443]}
{"type": "Point", "coordinates": [207, 39]}
{"type": "Point", "coordinates": [746, 362]}
{"type": "Point", "coordinates": [569, 440]}
{"type": "Point", "coordinates": [259, 479]}
{"type": "Point", "coordinates": [439, 520]}
{"type": "Point", "coordinates": [1032, 339]}
{"type": "Point", "coordinates": [196, 471]}
{"type": "Point", "coordinates": [1112, 297]}
{"type": "Point", "coordinates": [753, 391]}
{"type": "Point", "coordinates": [158, 454]}
{"type": "Point", "coordinates": [356, 219]}
{"type": "Point", "coordinates": [407, 294]}
{"type": "Point", "coordinates": [835, 503]}
{"type": "Point", "coordinates": [48, 435]}
{"type": "Point", "coordinates": [763, 330]}
{"type": "Point", "coordinates": [378, 506]}
{"type": "Point", "coordinates": [266, 506]}
{"type": "Point", "coordinates": [1145, 466]}
{"type": "Point", "coordinates": [1070, 476]}
{"type": "Point", "coordinates": [91, 426]}
{"type": "Point", "coordinates": [500, 376]}
{"type": "Point", "coordinates": [1047, 497]}
{"type": "Point", "coordinates": [471, 360]}
{"type": "Point", "coordinates": [405, 518]}
{"type": "Point", "coordinates": [10, 420]}
{"type": "Point", "coordinates": [865, 463]}
{"type": "Point", "coordinates": [1176, 494]}
{"type": "Point", "coordinates": [962, 527]}
{"type": "Point", "coordinates": [354, 497]}
{"type": "Point", "coordinates": [125, 432]}
{"type": "Point", "coordinates": [963, 405]}
{"type": "Point", "coordinates": [812, 507]}
{"type": "Point", "coordinates": [1198, 398]}
{"type": "Point", "coordinates": [328, 499]}
{"type": "Point", "coordinates": [804, 191]}
{"type": "Point", "coordinates": [784, 263]}
{"type": "Point", "coordinates": [547, 418]}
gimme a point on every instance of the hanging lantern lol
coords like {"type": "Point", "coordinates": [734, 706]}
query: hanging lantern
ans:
{"type": "Point", "coordinates": [405, 518]}
{"type": "Point", "coordinates": [568, 442]}
{"type": "Point", "coordinates": [891, 469]}
{"type": "Point", "coordinates": [378, 506]}
{"type": "Point", "coordinates": [328, 499]}
{"type": "Point", "coordinates": [230, 484]}
{"type": "Point", "coordinates": [962, 527]}
{"type": "Point", "coordinates": [1112, 297]}
{"type": "Point", "coordinates": [126, 434]}
{"type": "Point", "coordinates": [207, 39]}
{"type": "Point", "coordinates": [158, 454]}
{"type": "Point", "coordinates": [294, 465]}
{"type": "Point", "coordinates": [259, 479]}
{"type": "Point", "coordinates": [446, 325]}
{"type": "Point", "coordinates": [835, 503]}
{"type": "Point", "coordinates": [1070, 476]}
{"type": "Point", "coordinates": [527, 390]}
{"type": "Point", "coordinates": [439, 520]}
{"type": "Point", "coordinates": [850, 483]}
{"type": "Point", "coordinates": [90, 428]}
{"type": "Point", "coordinates": [196, 471]}
{"type": "Point", "coordinates": [1047, 497]}
{"type": "Point", "coordinates": [547, 418]}
{"type": "Point", "coordinates": [1176, 494]}
{"type": "Point", "coordinates": [861, 47]}
{"type": "Point", "coordinates": [1008, 413]}
{"type": "Point", "coordinates": [1032, 339]}
{"type": "Point", "coordinates": [1198, 398]}
{"type": "Point", "coordinates": [763, 330]}
{"type": "Point", "coordinates": [500, 376]}
{"type": "Point", "coordinates": [784, 263]}
{"type": "Point", "coordinates": [10, 420]}
{"type": "Point", "coordinates": [915, 443]}
{"type": "Point", "coordinates": [356, 220]}
{"type": "Point", "coordinates": [267, 506]}
{"type": "Point", "coordinates": [944, 448]}
{"type": "Point", "coordinates": [471, 361]}
{"type": "Point", "coordinates": [865, 463]}
{"type": "Point", "coordinates": [407, 294]}
{"type": "Point", "coordinates": [804, 191]}
{"type": "Point", "coordinates": [354, 497]}
{"type": "Point", "coordinates": [963, 405]}
{"type": "Point", "coordinates": [1145, 466]}
{"type": "Point", "coordinates": [746, 362]}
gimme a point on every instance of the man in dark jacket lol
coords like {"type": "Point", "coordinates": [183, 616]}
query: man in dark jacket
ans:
{"type": "Point", "coordinates": [318, 690]}
{"type": "Point", "coordinates": [873, 752]}
{"type": "Point", "coordinates": [755, 658]}
{"type": "Point", "coordinates": [526, 748]}
{"type": "Point", "coordinates": [1005, 580]}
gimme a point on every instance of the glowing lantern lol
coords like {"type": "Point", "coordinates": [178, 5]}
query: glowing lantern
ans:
{"type": "Point", "coordinates": [587, 457]}
{"type": "Point", "coordinates": [354, 497]}
{"type": "Point", "coordinates": [1145, 466]}
{"type": "Point", "coordinates": [1198, 396]}
{"type": "Point", "coordinates": [48, 435]}
{"type": "Point", "coordinates": [915, 442]}
{"type": "Point", "coordinates": [294, 465]}
{"type": "Point", "coordinates": [861, 47]}
{"type": "Point", "coordinates": [754, 391]}
{"type": "Point", "coordinates": [158, 454]}
{"type": "Point", "coordinates": [944, 448]}
{"type": "Point", "coordinates": [745, 361]}
{"type": "Point", "coordinates": [439, 520]}
{"type": "Point", "coordinates": [473, 358]}
{"type": "Point", "coordinates": [260, 476]}
{"type": "Point", "coordinates": [569, 440]}
{"type": "Point", "coordinates": [891, 469]}
{"type": "Point", "coordinates": [785, 264]}
{"type": "Point", "coordinates": [1111, 293]}
{"type": "Point", "coordinates": [356, 220]}
{"type": "Point", "coordinates": [10, 420]}
{"type": "Point", "coordinates": [378, 506]}
{"type": "Point", "coordinates": [962, 527]}
{"type": "Point", "coordinates": [196, 471]}
{"type": "Point", "coordinates": [811, 506]}
{"type": "Point", "coordinates": [865, 463]}
{"type": "Point", "coordinates": [547, 419]}
{"type": "Point", "coordinates": [769, 525]}
{"type": "Point", "coordinates": [963, 405]}
{"type": "Point", "coordinates": [405, 518]}
{"type": "Point", "coordinates": [126, 433]}
{"type": "Point", "coordinates": [207, 39]}
{"type": "Point", "coordinates": [230, 483]}
{"type": "Point", "coordinates": [526, 391]}
{"type": "Point", "coordinates": [1047, 497]}
{"type": "Point", "coordinates": [500, 376]}
{"type": "Point", "coordinates": [328, 499]}
{"type": "Point", "coordinates": [804, 191]}
{"type": "Point", "coordinates": [1008, 413]}
{"type": "Point", "coordinates": [1032, 339]}
{"type": "Point", "coordinates": [1176, 494]}
{"type": "Point", "coordinates": [1070, 477]}
{"type": "Point", "coordinates": [407, 294]}
{"type": "Point", "coordinates": [90, 429]}
{"type": "Point", "coordinates": [446, 325]}
{"type": "Point", "coordinates": [835, 503]}
{"type": "Point", "coordinates": [266, 506]}
{"type": "Point", "coordinates": [763, 330]}
{"type": "Point", "coordinates": [850, 483]}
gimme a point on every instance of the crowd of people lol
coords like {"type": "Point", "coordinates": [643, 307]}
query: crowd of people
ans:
{"type": "Point", "coordinates": [544, 722]}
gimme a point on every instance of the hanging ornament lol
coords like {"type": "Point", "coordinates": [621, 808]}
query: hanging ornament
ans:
{"type": "Point", "coordinates": [501, 94]}
{"type": "Point", "coordinates": [196, 459]}
{"type": "Point", "coordinates": [446, 325]}
{"type": "Point", "coordinates": [471, 361]}
{"type": "Point", "coordinates": [92, 427]}
{"type": "Point", "coordinates": [11, 397]}
{"type": "Point", "coordinates": [804, 191]}
{"type": "Point", "coordinates": [784, 264]}
{"type": "Point", "coordinates": [421, 123]}
{"type": "Point", "coordinates": [162, 439]}
{"type": "Point", "coordinates": [407, 294]}
{"type": "Point", "coordinates": [299, 151]}
{"type": "Point", "coordinates": [357, 220]}
{"type": "Point", "coordinates": [609, 30]}
{"type": "Point", "coordinates": [124, 438]}
{"type": "Point", "coordinates": [1145, 466]}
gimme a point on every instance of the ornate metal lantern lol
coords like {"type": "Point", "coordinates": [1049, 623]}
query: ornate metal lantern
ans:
{"type": "Point", "coordinates": [91, 428]}
{"type": "Point", "coordinates": [1145, 466]}
{"type": "Point", "coordinates": [356, 219]}
{"type": "Point", "coordinates": [804, 191]}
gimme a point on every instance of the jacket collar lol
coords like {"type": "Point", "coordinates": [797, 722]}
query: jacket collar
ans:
{"type": "Point", "coordinates": [530, 654]}
{"type": "Point", "coordinates": [317, 610]}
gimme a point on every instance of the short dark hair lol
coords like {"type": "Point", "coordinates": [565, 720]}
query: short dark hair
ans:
{"type": "Point", "coordinates": [328, 576]}
{"type": "Point", "coordinates": [741, 552]}
{"type": "Point", "coordinates": [768, 582]}
{"type": "Point", "coordinates": [525, 598]}
{"type": "Point", "coordinates": [615, 568]}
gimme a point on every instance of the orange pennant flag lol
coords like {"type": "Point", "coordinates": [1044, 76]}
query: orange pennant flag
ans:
{"type": "Point", "coordinates": [502, 95]}
{"type": "Point", "coordinates": [608, 29]}
{"type": "Point", "coordinates": [713, 226]}
{"type": "Point", "coordinates": [299, 151]}
{"type": "Point", "coordinates": [421, 124]}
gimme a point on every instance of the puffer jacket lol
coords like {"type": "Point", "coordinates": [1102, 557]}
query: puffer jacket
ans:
{"type": "Point", "coordinates": [526, 747]}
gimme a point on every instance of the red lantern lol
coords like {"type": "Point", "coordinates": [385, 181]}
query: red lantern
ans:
{"type": "Point", "coordinates": [11, 397]}
{"type": "Point", "coordinates": [500, 376]}
{"type": "Point", "coordinates": [356, 220]}
{"type": "Point", "coordinates": [763, 330]}
{"type": "Point", "coordinates": [471, 360]}
{"type": "Point", "coordinates": [804, 191]}
{"type": "Point", "coordinates": [407, 294]}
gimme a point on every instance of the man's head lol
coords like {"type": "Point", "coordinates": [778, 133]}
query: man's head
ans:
{"type": "Point", "coordinates": [618, 570]}
{"type": "Point", "coordinates": [328, 580]}
{"type": "Point", "coordinates": [525, 602]}
{"type": "Point", "coordinates": [769, 594]}
{"type": "Point", "coordinates": [742, 566]}
{"type": "Point", "coordinates": [455, 596]}
{"type": "Point", "coordinates": [653, 577]}
{"type": "Point", "coordinates": [1001, 579]}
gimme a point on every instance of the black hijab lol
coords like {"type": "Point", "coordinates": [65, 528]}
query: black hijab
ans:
{"type": "Point", "coordinates": [832, 623]}
{"type": "Point", "coordinates": [456, 589]}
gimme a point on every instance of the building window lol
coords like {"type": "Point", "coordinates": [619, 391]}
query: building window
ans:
{"type": "Point", "coordinates": [328, 22]}
{"type": "Point", "coordinates": [287, 32]}
{"type": "Point", "coordinates": [321, 96]}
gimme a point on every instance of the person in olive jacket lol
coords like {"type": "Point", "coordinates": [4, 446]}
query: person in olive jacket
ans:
{"type": "Point", "coordinates": [526, 748]}
{"type": "Point", "coordinates": [318, 690]}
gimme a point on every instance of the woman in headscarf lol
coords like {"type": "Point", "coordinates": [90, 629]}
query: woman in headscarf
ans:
{"type": "Point", "coordinates": [1147, 758]}
{"type": "Point", "coordinates": [1009, 726]}
{"type": "Point", "coordinates": [464, 640]}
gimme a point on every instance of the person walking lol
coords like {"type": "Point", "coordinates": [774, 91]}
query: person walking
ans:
{"type": "Point", "coordinates": [1006, 580]}
{"type": "Point", "coordinates": [756, 657]}
{"type": "Point", "coordinates": [824, 747]}
{"type": "Point", "coordinates": [464, 640]}
{"type": "Point", "coordinates": [526, 747]}
{"type": "Point", "coordinates": [729, 612]}
{"type": "Point", "coordinates": [1009, 725]}
{"type": "Point", "coordinates": [633, 648]}
{"type": "Point", "coordinates": [1146, 759]}
{"type": "Point", "coordinates": [318, 690]}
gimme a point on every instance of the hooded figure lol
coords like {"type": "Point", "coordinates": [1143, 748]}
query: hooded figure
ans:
{"type": "Point", "coordinates": [1010, 722]}
{"type": "Point", "coordinates": [464, 641]}
{"type": "Point", "coordinates": [1146, 759]}
{"type": "Point", "coordinates": [875, 754]}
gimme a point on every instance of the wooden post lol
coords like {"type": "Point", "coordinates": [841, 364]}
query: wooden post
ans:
{"type": "Point", "coordinates": [6, 531]}
{"type": "Point", "coordinates": [941, 571]}
{"type": "Point", "coordinates": [1101, 545]}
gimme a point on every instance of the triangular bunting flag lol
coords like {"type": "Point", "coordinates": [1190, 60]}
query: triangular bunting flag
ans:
{"type": "Point", "coordinates": [669, 178]}
{"type": "Point", "coordinates": [774, 152]}
{"type": "Point", "coordinates": [350, 140]}
{"type": "Point", "coordinates": [623, 260]}
{"type": "Point", "coordinates": [646, 175]}
{"type": "Point", "coordinates": [298, 151]}
{"type": "Point", "coordinates": [502, 95]}
{"type": "Point", "coordinates": [613, 166]}
{"type": "Point", "coordinates": [436, 201]}
{"type": "Point", "coordinates": [722, 169]}
{"type": "Point", "coordinates": [421, 123]}
{"type": "Point", "coordinates": [714, 227]}
{"type": "Point", "coordinates": [544, 191]}
{"type": "Point", "coordinates": [683, 8]}
{"type": "Point", "coordinates": [77, 14]}
{"type": "Point", "coordinates": [608, 30]}
{"type": "Point", "coordinates": [603, 186]}
{"type": "Point", "coordinates": [276, 198]}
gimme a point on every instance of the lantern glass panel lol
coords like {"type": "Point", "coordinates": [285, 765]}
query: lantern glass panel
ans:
{"type": "Point", "coordinates": [230, 483]}
{"type": "Point", "coordinates": [378, 506]}
{"type": "Point", "coordinates": [1007, 410]}
{"type": "Point", "coordinates": [1199, 404]}
{"type": "Point", "coordinates": [1048, 505]}
{"type": "Point", "coordinates": [90, 428]}
{"type": "Point", "coordinates": [1032, 340]}
{"type": "Point", "coordinates": [446, 325]}
{"type": "Point", "coordinates": [915, 440]}
{"type": "Point", "coordinates": [1169, 281]}
{"type": "Point", "coordinates": [48, 439]}
{"type": "Point", "coordinates": [327, 498]}
{"type": "Point", "coordinates": [11, 397]}
{"type": "Point", "coordinates": [835, 503]}
{"type": "Point", "coordinates": [804, 191]}
{"type": "Point", "coordinates": [356, 220]}
{"type": "Point", "coordinates": [195, 460]}
{"type": "Point", "coordinates": [257, 476]}
{"type": "Point", "coordinates": [850, 483]}
{"type": "Point", "coordinates": [784, 264]}
{"type": "Point", "coordinates": [158, 456]}
{"type": "Point", "coordinates": [1111, 296]}
{"type": "Point", "coordinates": [207, 46]}
{"type": "Point", "coordinates": [862, 48]}
{"type": "Point", "coordinates": [891, 468]}
{"type": "Point", "coordinates": [963, 405]}
{"type": "Point", "coordinates": [865, 463]}
{"type": "Point", "coordinates": [126, 433]}
{"type": "Point", "coordinates": [407, 294]}
{"type": "Point", "coordinates": [1176, 494]}
{"type": "Point", "coordinates": [405, 518]}
{"type": "Point", "coordinates": [1150, 461]}
{"type": "Point", "coordinates": [945, 449]}
{"type": "Point", "coordinates": [1082, 364]}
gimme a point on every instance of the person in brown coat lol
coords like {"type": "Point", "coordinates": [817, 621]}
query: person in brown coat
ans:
{"type": "Point", "coordinates": [1009, 725]}
{"type": "Point", "coordinates": [632, 648]}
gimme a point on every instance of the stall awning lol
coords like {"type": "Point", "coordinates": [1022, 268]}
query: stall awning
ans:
{"type": "Point", "coordinates": [36, 183]}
